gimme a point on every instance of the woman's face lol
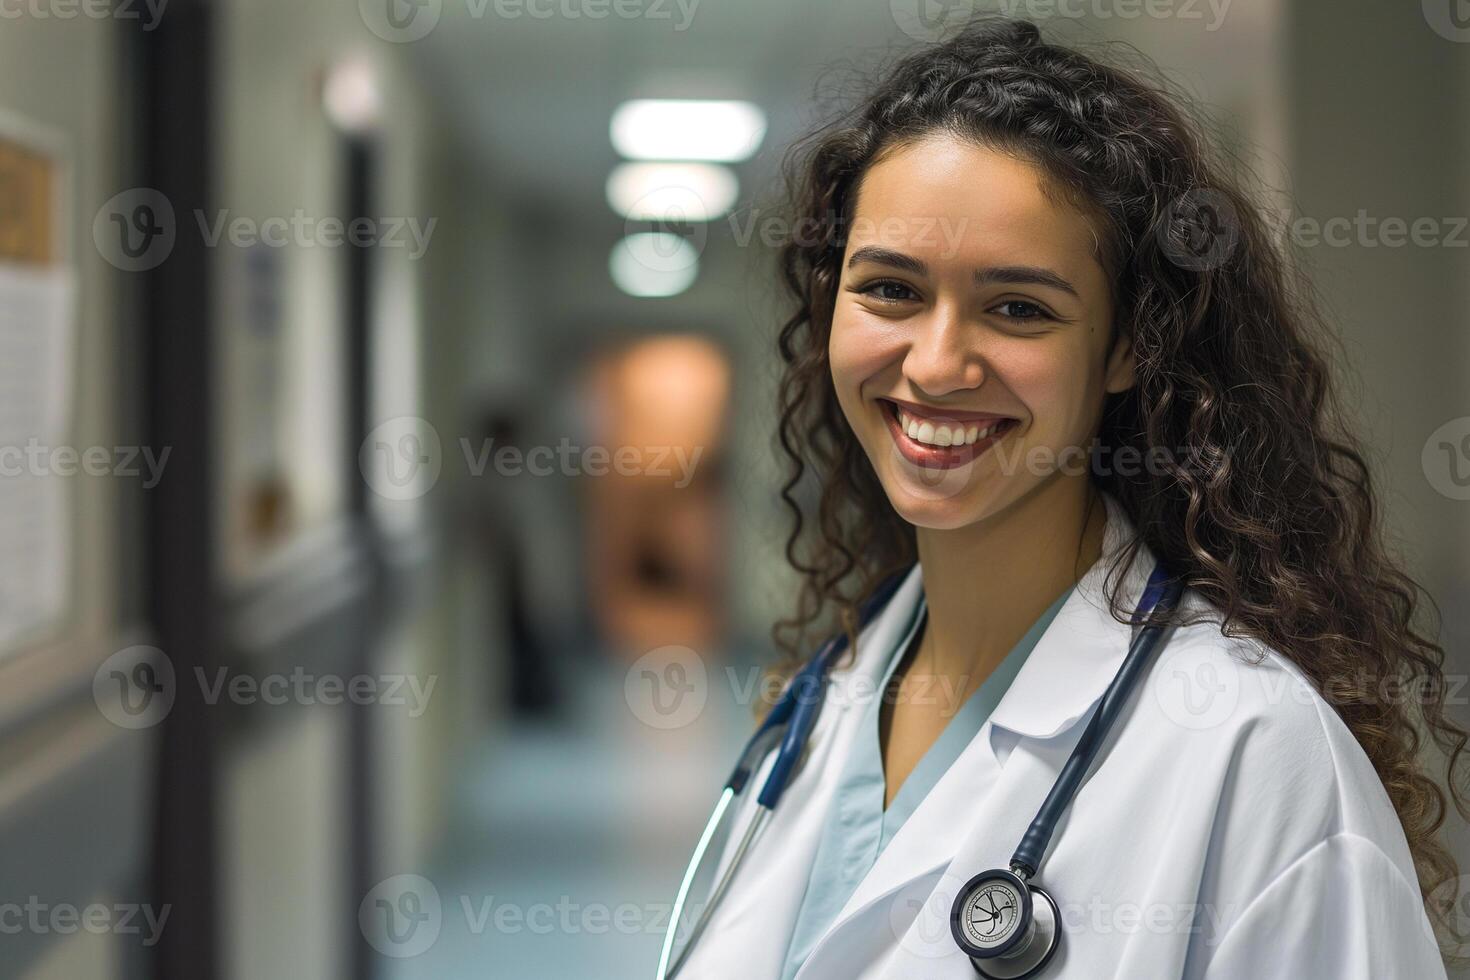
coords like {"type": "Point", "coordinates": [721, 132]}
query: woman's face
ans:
{"type": "Point", "coordinates": [971, 336]}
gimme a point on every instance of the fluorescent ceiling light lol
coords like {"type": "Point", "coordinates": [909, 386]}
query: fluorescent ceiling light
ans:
{"type": "Point", "coordinates": [687, 129]}
{"type": "Point", "coordinates": [653, 263]}
{"type": "Point", "coordinates": [672, 191]}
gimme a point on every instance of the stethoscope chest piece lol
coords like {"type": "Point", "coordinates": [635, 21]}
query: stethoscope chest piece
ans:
{"type": "Point", "coordinates": [1008, 928]}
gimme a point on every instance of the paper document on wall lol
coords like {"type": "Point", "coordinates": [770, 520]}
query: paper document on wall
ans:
{"type": "Point", "coordinates": [38, 464]}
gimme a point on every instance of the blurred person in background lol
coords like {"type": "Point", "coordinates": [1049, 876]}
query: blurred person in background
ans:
{"type": "Point", "coordinates": [655, 520]}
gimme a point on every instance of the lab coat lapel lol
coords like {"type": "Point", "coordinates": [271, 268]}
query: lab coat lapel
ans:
{"type": "Point", "coordinates": [976, 813]}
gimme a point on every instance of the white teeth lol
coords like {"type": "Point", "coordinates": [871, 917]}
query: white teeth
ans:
{"type": "Point", "coordinates": [940, 434]}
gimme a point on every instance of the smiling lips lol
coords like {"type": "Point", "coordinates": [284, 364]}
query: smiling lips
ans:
{"type": "Point", "coordinates": [942, 440]}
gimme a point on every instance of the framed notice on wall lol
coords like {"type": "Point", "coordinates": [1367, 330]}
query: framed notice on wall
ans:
{"type": "Point", "coordinates": [36, 386]}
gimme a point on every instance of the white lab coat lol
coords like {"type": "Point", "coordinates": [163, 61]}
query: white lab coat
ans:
{"type": "Point", "coordinates": [1231, 828]}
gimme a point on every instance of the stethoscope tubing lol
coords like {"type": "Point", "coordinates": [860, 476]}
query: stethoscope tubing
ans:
{"type": "Point", "coordinates": [1160, 596]}
{"type": "Point", "coordinates": [794, 716]}
{"type": "Point", "coordinates": [791, 721]}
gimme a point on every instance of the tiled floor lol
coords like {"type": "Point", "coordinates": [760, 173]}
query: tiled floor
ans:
{"type": "Point", "coordinates": [569, 840]}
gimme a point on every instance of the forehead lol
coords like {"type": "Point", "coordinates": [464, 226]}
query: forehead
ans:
{"type": "Point", "coordinates": [942, 198]}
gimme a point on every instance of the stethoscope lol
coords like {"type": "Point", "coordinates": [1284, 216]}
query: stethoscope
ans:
{"type": "Point", "coordinates": [1004, 922]}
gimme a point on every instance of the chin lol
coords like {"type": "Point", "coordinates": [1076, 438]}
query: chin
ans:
{"type": "Point", "coordinates": [941, 502]}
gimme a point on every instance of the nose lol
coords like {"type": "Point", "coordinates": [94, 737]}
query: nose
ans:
{"type": "Point", "coordinates": [945, 355]}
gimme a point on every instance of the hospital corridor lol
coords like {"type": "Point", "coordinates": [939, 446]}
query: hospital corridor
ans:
{"type": "Point", "coordinates": [405, 412]}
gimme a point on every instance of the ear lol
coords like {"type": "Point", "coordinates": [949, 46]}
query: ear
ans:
{"type": "Point", "coordinates": [1120, 375]}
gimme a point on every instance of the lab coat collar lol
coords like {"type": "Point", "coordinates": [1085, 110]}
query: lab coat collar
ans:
{"type": "Point", "coordinates": [1081, 651]}
{"type": "Point", "coordinates": [1064, 675]}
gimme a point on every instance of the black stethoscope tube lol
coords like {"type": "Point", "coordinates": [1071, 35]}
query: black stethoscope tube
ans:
{"type": "Point", "coordinates": [1038, 836]}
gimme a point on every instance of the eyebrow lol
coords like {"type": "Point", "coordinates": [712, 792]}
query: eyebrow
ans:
{"type": "Point", "coordinates": [1014, 275]}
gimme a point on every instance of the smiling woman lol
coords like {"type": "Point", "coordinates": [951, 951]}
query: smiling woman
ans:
{"type": "Point", "coordinates": [973, 408]}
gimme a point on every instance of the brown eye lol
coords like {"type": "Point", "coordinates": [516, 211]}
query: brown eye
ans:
{"type": "Point", "coordinates": [888, 291]}
{"type": "Point", "coordinates": [1022, 311]}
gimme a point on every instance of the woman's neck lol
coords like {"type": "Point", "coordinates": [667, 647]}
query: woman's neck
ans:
{"type": "Point", "coordinates": [987, 583]}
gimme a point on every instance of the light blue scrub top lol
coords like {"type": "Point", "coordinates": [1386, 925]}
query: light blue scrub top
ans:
{"type": "Point", "coordinates": [857, 828]}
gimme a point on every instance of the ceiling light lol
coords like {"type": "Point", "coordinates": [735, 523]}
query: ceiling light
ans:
{"type": "Point", "coordinates": [687, 129]}
{"type": "Point", "coordinates": [675, 192]}
{"type": "Point", "coordinates": [653, 263]}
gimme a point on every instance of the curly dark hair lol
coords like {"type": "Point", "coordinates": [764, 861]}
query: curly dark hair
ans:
{"type": "Point", "coordinates": [1272, 516]}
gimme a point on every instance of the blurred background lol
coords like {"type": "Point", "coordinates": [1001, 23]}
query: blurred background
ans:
{"type": "Point", "coordinates": [389, 413]}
